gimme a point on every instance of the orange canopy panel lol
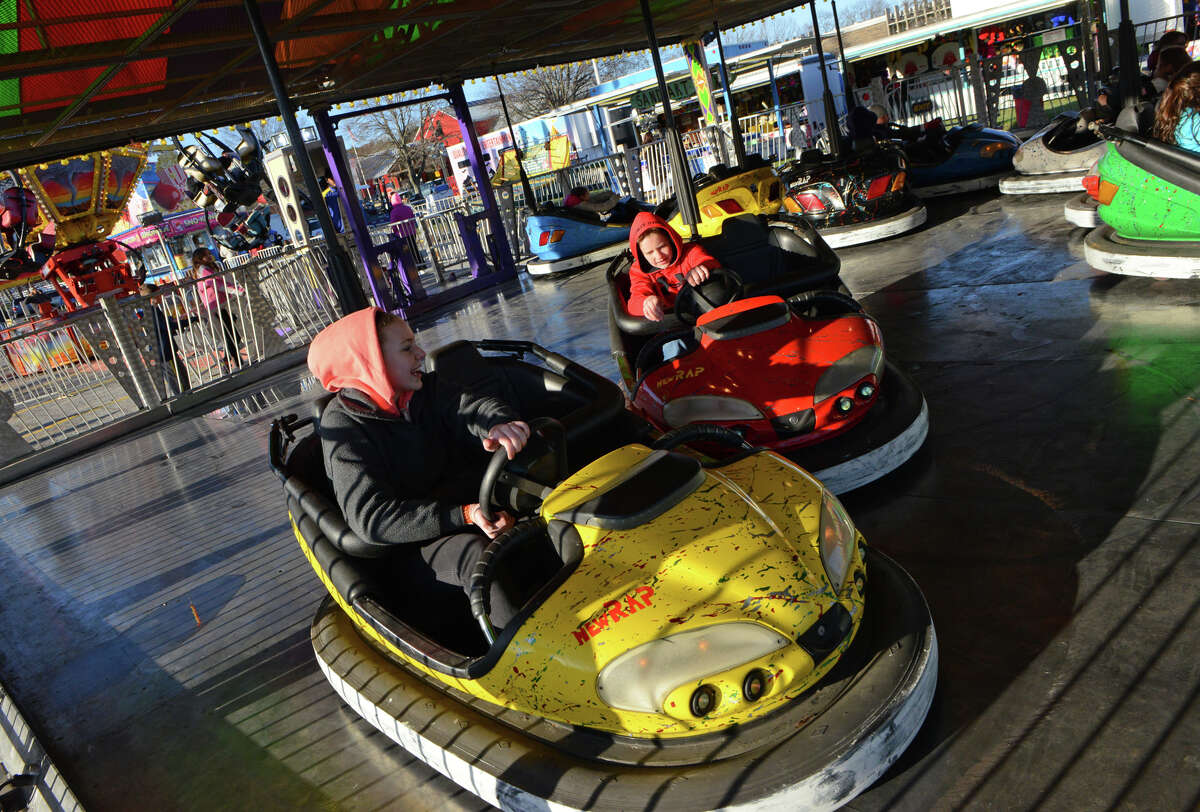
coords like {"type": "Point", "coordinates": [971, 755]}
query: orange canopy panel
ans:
{"type": "Point", "coordinates": [299, 53]}
{"type": "Point", "coordinates": [40, 31]}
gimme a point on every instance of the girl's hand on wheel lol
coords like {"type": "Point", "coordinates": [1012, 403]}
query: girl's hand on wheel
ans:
{"type": "Point", "coordinates": [511, 436]}
{"type": "Point", "coordinates": [492, 529]}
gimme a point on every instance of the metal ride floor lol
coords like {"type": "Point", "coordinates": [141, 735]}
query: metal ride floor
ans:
{"type": "Point", "coordinates": [154, 609]}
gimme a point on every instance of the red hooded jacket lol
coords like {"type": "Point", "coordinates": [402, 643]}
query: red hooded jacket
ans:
{"type": "Point", "coordinates": [645, 280]}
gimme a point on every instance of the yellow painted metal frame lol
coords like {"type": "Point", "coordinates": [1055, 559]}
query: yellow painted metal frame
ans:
{"type": "Point", "coordinates": [97, 221]}
{"type": "Point", "coordinates": [751, 190]}
{"type": "Point", "coordinates": [743, 547]}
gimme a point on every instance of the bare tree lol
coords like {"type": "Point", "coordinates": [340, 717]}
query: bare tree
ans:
{"type": "Point", "coordinates": [868, 10]}
{"type": "Point", "coordinates": [266, 128]}
{"type": "Point", "coordinates": [399, 130]}
{"type": "Point", "coordinates": [544, 89]}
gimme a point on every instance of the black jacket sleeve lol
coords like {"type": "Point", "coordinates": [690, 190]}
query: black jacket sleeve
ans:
{"type": "Point", "coordinates": [375, 491]}
{"type": "Point", "coordinates": [468, 413]}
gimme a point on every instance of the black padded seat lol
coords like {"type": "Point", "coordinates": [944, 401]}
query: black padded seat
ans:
{"type": "Point", "coordinates": [651, 488]}
{"type": "Point", "coordinates": [461, 363]}
{"type": "Point", "coordinates": [747, 322]}
{"type": "Point", "coordinates": [770, 257]}
{"type": "Point", "coordinates": [590, 407]}
{"type": "Point", "coordinates": [571, 213]}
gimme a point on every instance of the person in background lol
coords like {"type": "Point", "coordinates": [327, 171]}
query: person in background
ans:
{"type": "Point", "coordinates": [214, 295]}
{"type": "Point", "coordinates": [332, 203]}
{"type": "Point", "coordinates": [604, 202]}
{"type": "Point", "coordinates": [1177, 119]}
{"type": "Point", "coordinates": [1168, 40]}
{"type": "Point", "coordinates": [404, 222]}
{"type": "Point", "coordinates": [174, 368]}
{"type": "Point", "coordinates": [1171, 61]}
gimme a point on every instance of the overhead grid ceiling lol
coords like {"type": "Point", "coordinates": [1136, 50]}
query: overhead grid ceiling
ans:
{"type": "Point", "coordinates": [78, 75]}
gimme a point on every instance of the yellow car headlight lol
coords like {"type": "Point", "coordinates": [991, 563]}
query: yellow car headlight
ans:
{"type": "Point", "coordinates": [837, 540]}
{"type": "Point", "coordinates": [641, 678]}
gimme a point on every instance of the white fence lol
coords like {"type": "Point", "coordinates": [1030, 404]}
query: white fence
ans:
{"type": "Point", "coordinates": [62, 380]}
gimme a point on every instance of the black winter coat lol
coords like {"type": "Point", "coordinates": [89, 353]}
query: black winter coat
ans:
{"type": "Point", "coordinates": [404, 481]}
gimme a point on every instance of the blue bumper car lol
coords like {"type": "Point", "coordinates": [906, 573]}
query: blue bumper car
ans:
{"type": "Point", "coordinates": [961, 159]}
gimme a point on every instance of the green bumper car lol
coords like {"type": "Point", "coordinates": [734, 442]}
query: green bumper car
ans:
{"type": "Point", "coordinates": [1149, 195]}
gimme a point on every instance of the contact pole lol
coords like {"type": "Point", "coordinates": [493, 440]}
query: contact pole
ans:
{"type": "Point", "coordinates": [831, 117]}
{"type": "Point", "coordinates": [837, 26]}
{"type": "Point", "coordinates": [341, 274]}
{"type": "Point", "coordinates": [684, 196]}
{"type": "Point", "coordinates": [735, 129]}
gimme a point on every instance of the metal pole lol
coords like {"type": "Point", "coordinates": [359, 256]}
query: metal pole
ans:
{"type": "Point", "coordinates": [685, 198]}
{"type": "Point", "coordinates": [503, 264]}
{"type": "Point", "coordinates": [831, 117]}
{"type": "Point", "coordinates": [1127, 54]}
{"type": "Point", "coordinates": [735, 129]}
{"type": "Point", "coordinates": [1089, 49]}
{"type": "Point", "coordinates": [341, 274]}
{"type": "Point", "coordinates": [162, 243]}
{"type": "Point", "coordinates": [837, 26]}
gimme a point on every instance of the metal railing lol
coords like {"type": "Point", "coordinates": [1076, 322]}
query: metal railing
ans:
{"type": "Point", "coordinates": [944, 94]}
{"type": "Point", "coordinates": [62, 380]}
{"type": "Point", "coordinates": [1148, 33]}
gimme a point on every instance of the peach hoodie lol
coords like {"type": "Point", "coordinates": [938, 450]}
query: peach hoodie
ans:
{"type": "Point", "coordinates": [346, 355]}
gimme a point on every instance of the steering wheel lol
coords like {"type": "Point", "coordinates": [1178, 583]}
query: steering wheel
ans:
{"type": "Point", "coordinates": [554, 435]}
{"type": "Point", "coordinates": [823, 304]}
{"type": "Point", "coordinates": [485, 569]}
{"type": "Point", "coordinates": [722, 287]}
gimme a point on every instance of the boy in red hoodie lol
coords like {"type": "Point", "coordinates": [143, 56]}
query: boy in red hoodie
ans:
{"type": "Point", "coordinates": [661, 264]}
{"type": "Point", "coordinates": [403, 450]}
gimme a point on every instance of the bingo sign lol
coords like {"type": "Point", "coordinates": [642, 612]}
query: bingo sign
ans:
{"type": "Point", "coordinates": [698, 67]}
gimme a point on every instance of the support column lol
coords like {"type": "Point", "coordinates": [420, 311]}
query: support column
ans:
{"type": "Point", "coordinates": [503, 262]}
{"type": "Point", "coordinates": [983, 111]}
{"type": "Point", "coordinates": [685, 197]}
{"type": "Point", "coordinates": [340, 170]}
{"type": "Point", "coordinates": [341, 273]}
{"type": "Point", "coordinates": [735, 129]}
{"type": "Point", "coordinates": [1088, 45]}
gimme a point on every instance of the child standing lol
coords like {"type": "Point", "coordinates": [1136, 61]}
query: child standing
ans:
{"type": "Point", "coordinates": [661, 265]}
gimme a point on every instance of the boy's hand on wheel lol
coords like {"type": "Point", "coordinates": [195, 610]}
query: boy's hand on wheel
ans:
{"type": "Point", "coordinates": [510, 436]}
{"type": "Point", "coordinates": [652, 308]}
{"type": "Point", "coordinates": [697, 275]}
